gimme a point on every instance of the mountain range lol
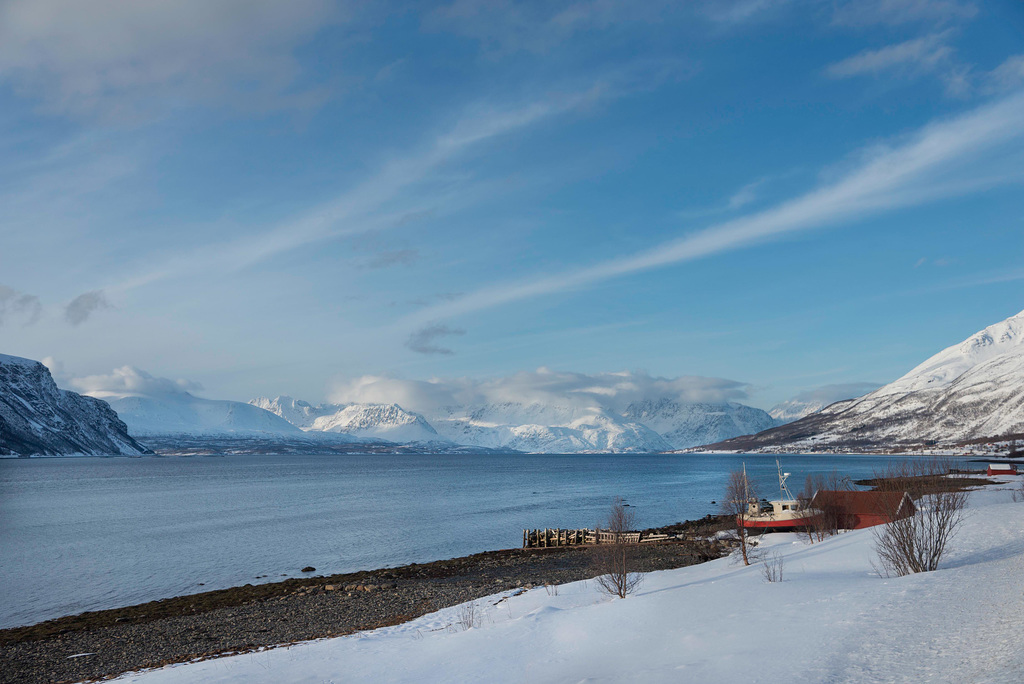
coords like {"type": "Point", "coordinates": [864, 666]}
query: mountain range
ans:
{"type": "Point", "coordinates": [973, 390]}
{"type": "Point", "coordinates": [536, 427]}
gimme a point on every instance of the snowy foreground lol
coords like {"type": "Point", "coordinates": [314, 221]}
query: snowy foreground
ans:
{"type": "Point", "coordinates": [832, 619]}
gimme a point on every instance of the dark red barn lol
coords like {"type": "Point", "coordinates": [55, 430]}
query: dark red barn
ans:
{"type": "Point", "coordinates": [1002, 469]}
{"type": "Point", "coordinates": [857, 510]}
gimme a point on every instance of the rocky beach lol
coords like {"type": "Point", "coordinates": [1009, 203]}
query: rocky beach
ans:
{"type": "Point", "coordinates": [102, 644]}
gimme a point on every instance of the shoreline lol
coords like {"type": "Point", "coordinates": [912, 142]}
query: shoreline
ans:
{"type": "Point", "coordinates": [251, 617]}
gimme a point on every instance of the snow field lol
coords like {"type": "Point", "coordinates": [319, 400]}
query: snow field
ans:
{"type": "Point", "coordinates": [831, 619]}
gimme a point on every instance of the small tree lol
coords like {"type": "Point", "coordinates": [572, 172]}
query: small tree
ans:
{"type": "Point", "coordinates": [916, 543]}
{"type": "Point", "coordinates": [828, 518]}
{"type": "Point", "coordinates": [616, 561]}
{"type": "Point", "coordinates": [739, 493]}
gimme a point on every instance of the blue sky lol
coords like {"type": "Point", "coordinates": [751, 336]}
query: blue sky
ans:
{"type": "Point", "coordinates": [268, 198]}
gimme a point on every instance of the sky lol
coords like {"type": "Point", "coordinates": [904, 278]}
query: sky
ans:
{"type": "Point", "coordinates": [759, 198]}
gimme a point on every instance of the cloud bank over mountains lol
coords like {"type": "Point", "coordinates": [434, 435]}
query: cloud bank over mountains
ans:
{"type": "Point", "coordinates": [614, 391]}
{"type": "Point", "coordinates": [540, 411]}
{"type": "Point", "coordinates": [130, 380]}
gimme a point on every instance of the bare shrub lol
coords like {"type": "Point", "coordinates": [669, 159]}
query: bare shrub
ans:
{"type": "Point", "coordinates": [739, 493]}
{"type": "Point", "coordinates": [829, 518]}
{"type": "Point", "coordinates": [1018, 492]}
{"type": "Point", "coordinates": [551, 589]}
{"type": "Point", "coordinates": [616, 561]}
{"type": "Point", "coordinates": [916, 543]}
{"type": "Point", "coordinates": [468, 616]}
{"type": "Point", "coordinates": [771, 567]}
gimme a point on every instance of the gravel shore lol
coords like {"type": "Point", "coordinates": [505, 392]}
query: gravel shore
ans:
{"type": "Point", "coordinates": [106, 643]}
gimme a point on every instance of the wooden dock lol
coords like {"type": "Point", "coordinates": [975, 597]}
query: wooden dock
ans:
{"type": "Point", "coordinates": [552, 537]}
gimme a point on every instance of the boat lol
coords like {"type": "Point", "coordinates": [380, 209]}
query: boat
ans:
{"type": "Point", "coordinates": [783, 514]}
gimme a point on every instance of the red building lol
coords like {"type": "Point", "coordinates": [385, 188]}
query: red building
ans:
{"type": "Point", "coordinates": [1002, 469]}
{"type": "Point", "coordinates": [857, 510]}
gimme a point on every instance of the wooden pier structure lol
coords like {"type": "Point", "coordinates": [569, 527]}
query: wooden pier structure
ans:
{"type": "Point", "coordinates": [551, 537]}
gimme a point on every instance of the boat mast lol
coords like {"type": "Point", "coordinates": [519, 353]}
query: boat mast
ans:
{"type": "Point", "coordinates": [746, 489]}
{"type": "Point", "coordinates": [784, 492]}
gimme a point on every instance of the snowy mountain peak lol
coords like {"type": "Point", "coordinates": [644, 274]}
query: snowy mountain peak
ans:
{"type": "Point", "coordinates": [942, 369]}
{"type": "Point", "coordinates": [299, 413]}
{"type": "Point", "coordinates": [389, 422]}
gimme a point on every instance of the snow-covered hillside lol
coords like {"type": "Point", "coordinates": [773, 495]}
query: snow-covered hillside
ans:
{"type": "Point", "coordinates": [181, 413]}
{"type": "Point", "coordinates": [686, 425]}
{"type": "Point", "coordinates": [38, 418]}
{"type": "Point", "coordinates": [794, 409]}
{"type": "Point", "coordinates": [971, 390]}
{"type": "Point", "coordinates": [830, 619]}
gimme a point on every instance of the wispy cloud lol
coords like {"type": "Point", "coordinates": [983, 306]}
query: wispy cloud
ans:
{"type": "Point", "coordinates": [902, 175]}
{"type": "Point", "coordinates": [745, 195]}
{"type": "Point", "coordinates": [897, 12]}
{"type": "Point", "coordinates": [921, 54]}
{"type": "Point", "coordinates": [19, 306]}
{"type": "Point", "coordinates": [425, 340]}
{"type": "Point", "coordinates": [739, 11]}
{"type": "Point", "coordinates": [910, 59]}
{"type": "Point", "coordinates": [1007, 76]}
{"type": "Point", "coordinates": [370, 205]}
{"type": "Point", "coordinates": [506, 26]}
{"type": "Point", "coordinates": [85, 305]}
{"type": "Point", "coordinates": [742, 197]}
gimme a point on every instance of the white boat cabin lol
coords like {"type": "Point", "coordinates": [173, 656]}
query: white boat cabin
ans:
{"type": "Point", "coordinates": [779, 510]}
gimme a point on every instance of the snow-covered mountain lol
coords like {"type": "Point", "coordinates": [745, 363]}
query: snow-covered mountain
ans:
{"type": "Point", "coordinates": [545, 428]}
{"type": "Point", "coordinates": [38, 418]}
{"type": "Point", "coordinates": [388, 422]}
{"type": "Point", "coordinates": [299, 413]}
{"type": "Point", "coordinates": [795, 409]}
{"type": "Point", "coordinates": [181, 413]}
{"type": "Point", "coordinates": [688, 424]}
{"type": "Point", "coordinates": [971, 390]}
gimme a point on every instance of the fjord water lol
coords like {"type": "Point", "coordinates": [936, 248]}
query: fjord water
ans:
{"type": "Point", "coordinates": [82, 534]}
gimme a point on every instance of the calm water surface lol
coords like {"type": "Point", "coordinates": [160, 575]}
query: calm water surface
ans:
{"type": "Point", "coordinates": [89, 533]}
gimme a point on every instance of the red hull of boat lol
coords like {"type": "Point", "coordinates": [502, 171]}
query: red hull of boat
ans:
{"type": "Point", "coordinates": [795, 524]}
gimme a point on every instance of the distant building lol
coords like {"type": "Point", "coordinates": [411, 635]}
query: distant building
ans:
{"type": "Point", "coordinates": [857, 510]}
{"type": "Point", "coordinates": [1002, 469]}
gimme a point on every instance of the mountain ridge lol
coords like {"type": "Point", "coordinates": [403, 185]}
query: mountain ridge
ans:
{"type": "Point", "coordinates": [38, 418]}
{"type": "Point", "coordinates": [968, 391]}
